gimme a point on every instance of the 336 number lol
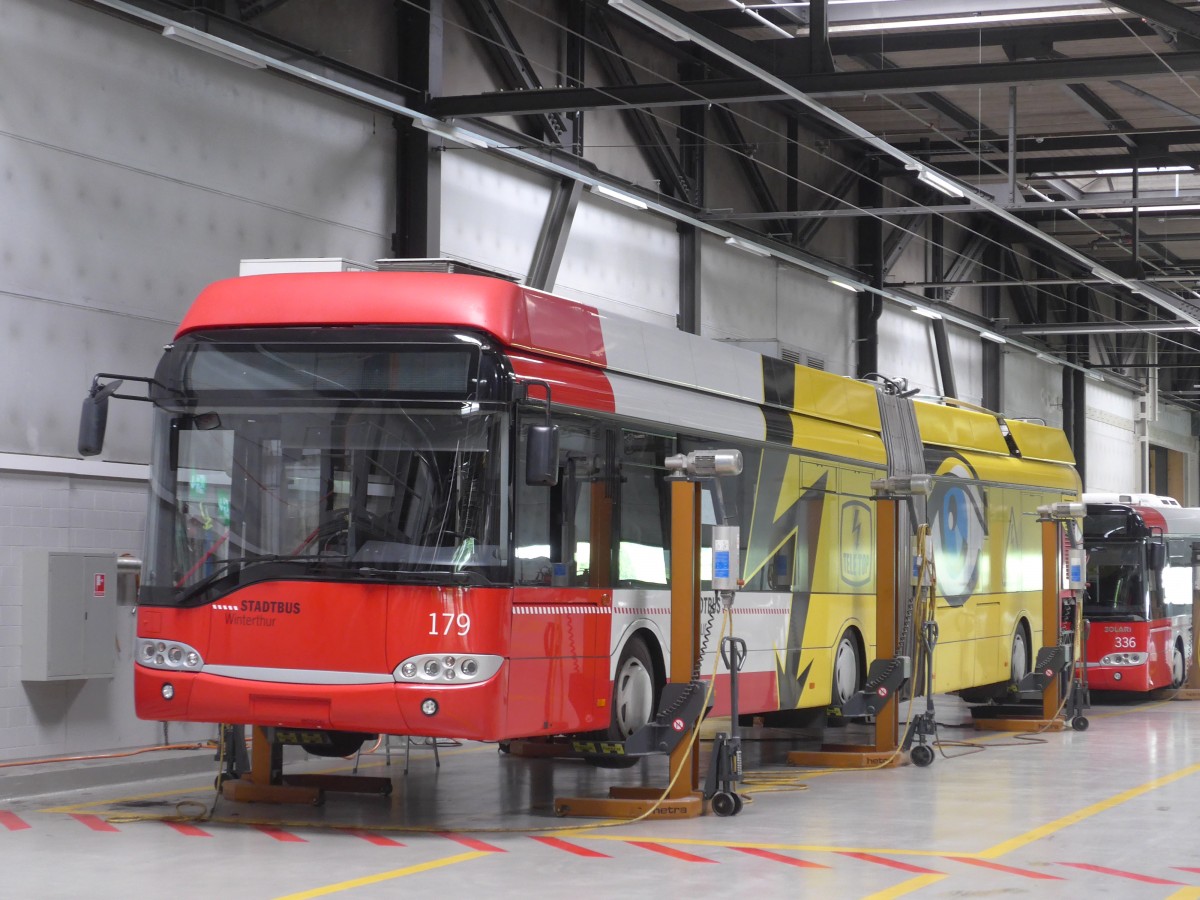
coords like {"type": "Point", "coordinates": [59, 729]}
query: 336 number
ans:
{"type": "Point", "coordinates": [460, 623]}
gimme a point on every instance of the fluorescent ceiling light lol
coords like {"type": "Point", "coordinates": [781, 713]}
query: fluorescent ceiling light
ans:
{"type": "Point", "coordinates": [651, 18]}
{"type": "Point", "coordinates": [612, 194]}
{"type": "Point", "coordinates": [761, 20]}
{"type": "Point", "coordinates": [927, 313]}
{"type": "Point", "coordinates": [1144, 170]}
{"type": "Point", "coordinates": [1045, 357]}
{"type": "Point", "coordinates": [940, 183]}
{"type": "Point", "coordinates": [994, 338]}
{"type": "Point", "coordinates": [451, 133]}
{"type": "Point", "coordinates": [1145, 209]}
{"type": "Point", "coordinates": [1105, 275]}
{"type": "Point", "coordinates": [845, 285]}
{"type": "Point", "coordinates": [986, 18]}
{"type": "Point", "coordinates": [227, 50]}
{"type": "Point", "coordinates": [1093, 374]}
{"type": "Point", "coordinates": [747, 246]}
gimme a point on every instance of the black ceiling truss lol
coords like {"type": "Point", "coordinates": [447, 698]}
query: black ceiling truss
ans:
{"type": "Point", "coordinates": [1167, 15]}
{"type": "Point", "coordinates": [493, 34]}
{"type": "Point", "coordinates": [744, 153]}
{"type": "Point", "coordinates": [820, 85]}
{"type": "Point", "coordinates": [647, 132]}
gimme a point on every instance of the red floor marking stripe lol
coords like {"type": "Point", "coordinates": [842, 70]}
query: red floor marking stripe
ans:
{"type": "Point", "coordinates": [280, 835]}
{"type": "Point", "coordinates": [471, 842]}
{"type": "Point", "coordinates": [377, 839]}
{"type": "Point", "coordinates": [1133, 876]}
{"type": "Point", "coordinates": [895, 864]}
{"type": "Point", "coordinates": [670, 851]}
{"type": "Point", "coordinates": [13, 822]}
{"type": "Point", "coordinates": [1186, 868]}
{"type": "Point", "coordinates": [571, 848]}
{"type": "Point", "coordinates": [189, 830]}
{"type": "Point", "coordinates": [1027, 873]}
{"type": "Point", "coordinates": [779, 857]}
{"type": "Point", "coordinates": [94, 822]}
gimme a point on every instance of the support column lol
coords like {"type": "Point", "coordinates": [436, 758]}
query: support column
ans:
{"type": "Point", "coordinates": [418, 163]}
{"type": "Point", "coordinates": [870, 264]}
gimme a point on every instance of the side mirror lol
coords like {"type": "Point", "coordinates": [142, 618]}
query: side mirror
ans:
{"type": "Point", "coordinates": [93, 418]}
{"type": "Point", "coordinates": [1156, 555]}
{"type": "Point", "coordinates": [541, 455]}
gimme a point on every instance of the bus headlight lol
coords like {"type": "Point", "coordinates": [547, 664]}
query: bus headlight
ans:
{"type": "Point", "coordinates": [1123, 659]}
{"type": "Point", "coordinates": [174, 656]}
{"type": "Point", "coordinates": [438, 669]}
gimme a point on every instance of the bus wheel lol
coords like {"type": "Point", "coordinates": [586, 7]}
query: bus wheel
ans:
{"type": "Point", "coordinates": [1178, 667]}
{"type": "Point", "coordinates": [634, 692]}
{"type": "Point", "coordinates": [847, 670]}
{"type": "Point", "coordinates": [1019, 661]}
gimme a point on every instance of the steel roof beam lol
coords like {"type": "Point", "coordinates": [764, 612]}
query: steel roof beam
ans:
{"type": "Point", "coordinates": [1169, 15]}
{"type": "Point", "coordinates": [823, 85]}
{"type": "Point", "coordinates": [946, 38]}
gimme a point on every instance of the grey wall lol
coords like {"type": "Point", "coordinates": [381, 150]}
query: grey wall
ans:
{"type": "Point", "coordinates": [133, 171]}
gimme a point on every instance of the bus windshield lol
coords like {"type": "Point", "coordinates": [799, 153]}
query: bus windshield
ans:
{"type": "Point", "coordinates": [1115, 586]}
{"type": "Point", "coordinates": [245, 493]}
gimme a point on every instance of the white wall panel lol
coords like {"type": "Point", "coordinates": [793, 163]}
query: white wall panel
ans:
{"type": "Point", "coordinates": [738, 294]}
{"type": "Point", "coordinates": [623, 260]}
{"type": "Point", "coordinates": [1113, 450]}
{"type": "Point", "coordinates": [492, 211]}
{"type": "Point", "coordinates": [906, 348]}
{"type": "Point", "coordinates": [818, 317]}
{"type": "Point", "coordinates": [1032, 388]}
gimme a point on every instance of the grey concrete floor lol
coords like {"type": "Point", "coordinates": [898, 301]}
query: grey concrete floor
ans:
{"type": "Point", "coordinates": [1110, 812]}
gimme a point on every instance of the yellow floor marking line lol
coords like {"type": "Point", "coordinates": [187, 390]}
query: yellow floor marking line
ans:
{"type": "Point", "coordinates": [206, 790]}
{"type": "Point", "coordinates": [385, 876]}
{"type": "Point", "coordinates": [1187, 893]}
{"type": "Point", "coordinates": [1087, 812]}
{"type": "Point", "coordinates": [1124, 712]}
{"type": "Point", "coordinates": [906, 887]}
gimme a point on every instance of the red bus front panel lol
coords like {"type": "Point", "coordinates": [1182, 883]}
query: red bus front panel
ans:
{"type": "Point", "coordinates": [1113, 641]}
{"type": "Point", "coordinates": [323, 655]}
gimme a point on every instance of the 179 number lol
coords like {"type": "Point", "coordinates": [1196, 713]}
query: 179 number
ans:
{"type": "Point", "coordinates": [460, 623]}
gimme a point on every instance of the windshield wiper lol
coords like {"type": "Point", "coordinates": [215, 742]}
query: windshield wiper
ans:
{"type": "Point", "coordinates": [428, 576]}
{"type": "Point", "coordinates": [191, 592]}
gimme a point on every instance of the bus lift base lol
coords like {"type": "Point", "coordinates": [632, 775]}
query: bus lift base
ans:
{"type": "Point", "coordinates": [265, 782]}
{"type": "Point", "coordinates": [1014, 717]}
{"type": "Point", "coordinates": [885, 679]}
{"type": "Point", "coordinates": [630, 803]}
{"type": "Point", "coordinates": [680, 707]}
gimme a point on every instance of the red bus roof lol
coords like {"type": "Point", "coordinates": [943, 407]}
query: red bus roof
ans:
{"type": "Point", "coordinates": [516, 316]}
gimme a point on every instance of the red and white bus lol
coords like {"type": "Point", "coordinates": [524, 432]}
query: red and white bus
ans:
{"type": "Point", "coordinates": [1141, 574]}
{"type": "Point", "coordinates": [358, 524]}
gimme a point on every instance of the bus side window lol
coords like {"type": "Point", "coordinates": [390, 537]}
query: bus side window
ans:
{"type": "Point", "coordinates": [554, 540]}
{"type": "Point", "coordinates": [644, 509]}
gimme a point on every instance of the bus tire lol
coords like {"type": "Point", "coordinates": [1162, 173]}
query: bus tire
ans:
{"type": "Point", "coordinates": [1178, 667]}
{"type": "Point", "coordinates": [635, 690]}
{"type": "Point", "coordinates": [847, 669]}
{"type": "Point", "coordinates": [1019, 665]}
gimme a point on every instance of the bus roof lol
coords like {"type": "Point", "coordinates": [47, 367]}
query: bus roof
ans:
{"type": "Point", "coordinates": [524, 319]}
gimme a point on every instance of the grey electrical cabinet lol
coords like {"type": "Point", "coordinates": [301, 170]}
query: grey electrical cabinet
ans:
{"type": "Point", "coordinates": [69, 615]}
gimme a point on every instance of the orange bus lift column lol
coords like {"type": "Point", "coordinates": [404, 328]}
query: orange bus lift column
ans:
{"type": "Point", "coordinates": [1055, 655]}
{"type": "Point", "coordinates": [682, 798]}
{"type": "Point", "coordinates": [888, 673]}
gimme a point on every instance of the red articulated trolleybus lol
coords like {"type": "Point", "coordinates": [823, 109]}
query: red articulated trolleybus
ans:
{"type": "Point", "coordinates": [1141, 573]}
{"type": "Point", "coordinates": [429, 502]}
